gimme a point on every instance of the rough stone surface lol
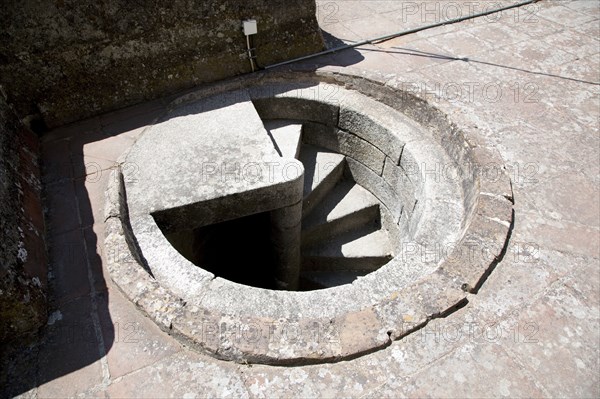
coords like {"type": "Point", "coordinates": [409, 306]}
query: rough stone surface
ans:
{"type": "Point", "coordinates": [379, 125]}
{"type": "Point", "coordinates": [361, 150]}
{"type": "Point", "coordinates": [376, 185]}
{"type": "Point", "coordinates": [67, 61]}
{"type": "Point", "coordinates": [285, 238]}
{"type": "Point", "coordinates": [286, 135]}
{"type": "Point", "coordinates": [218, 379]}
{"type": "Point", "coordinates": [396, 177]}
{"type": "Point", "coordinates": [312, 102]}
{"type": "Point", "coordinates": [23, 267]}
{"type": "Point", "coordinates": [349, 144]}
{"type": "Point", "coordinates": [238, 168]}
{"type": "Point", "coordinates": [440, 186]}
{"type": "Point", "coordinates": [319, 135]}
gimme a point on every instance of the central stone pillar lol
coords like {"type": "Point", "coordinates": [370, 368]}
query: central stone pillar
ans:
{"type": "Point", "coordinates": [285, 237]}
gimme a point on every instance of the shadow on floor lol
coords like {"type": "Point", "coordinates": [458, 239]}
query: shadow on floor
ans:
{"type": "Point", "coordinates": [80, 331]}
{"type": "Point", "coordinates": [343, 58]}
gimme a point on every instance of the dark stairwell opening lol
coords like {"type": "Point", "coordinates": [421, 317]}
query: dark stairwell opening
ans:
{"type": "Point", "coordinates": [238, 250]}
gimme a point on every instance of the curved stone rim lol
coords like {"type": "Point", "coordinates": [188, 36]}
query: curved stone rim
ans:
{"type": "Point", "coordinates": [389, 315]}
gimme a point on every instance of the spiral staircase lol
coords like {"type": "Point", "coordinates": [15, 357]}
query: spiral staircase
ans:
{"type": "Point", "coordinates": [342, 234]}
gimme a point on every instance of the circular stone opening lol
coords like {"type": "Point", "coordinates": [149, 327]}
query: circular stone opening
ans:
{"type": "Point", "coordinates": [245, 194]}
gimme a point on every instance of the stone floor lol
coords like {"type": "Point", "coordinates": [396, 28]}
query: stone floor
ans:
{"type": "Point", "coordinates": [527, 77]}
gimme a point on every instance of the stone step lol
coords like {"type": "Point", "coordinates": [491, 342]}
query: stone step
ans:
{"type": "Point", "coordinates": [348, 206]}
{"type": "Point", "coordinates": [362, 250]}
{"type": "Point", "coordinates": [320, 280]}
{"type": "Point", "coordinates": [322, 170]}
{"type": "Point", "coordinates": [286, 135]}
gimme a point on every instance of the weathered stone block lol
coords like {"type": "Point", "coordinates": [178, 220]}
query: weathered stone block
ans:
{"type": "Point", "coordinates": [396, 177]}
{"type": "Point", "coordinates": [489, 167]}
{"type": "Point", "coordinates": [343, 142]}
{"type": "Point", "coordinates": [320, 135]}
{"type": "Point", "coordinates": [306, 101]}
{"type": "Point", "coordinates": [70, 61]}
{"type": "Point", "coordinates": [376, 123]}
{"type": "Point", "coordinates": [376, 185]}
{"type": "Point", "coordinates": [286, 241]}
{"type": "Point", "coordinates": [361, 150]}
{"type": "Point", "coordinates": [209, 167]}
{"type": "Point", "coordinates": [23, 265]}
{"type": "Point", "coordinates": [475, 256]}
{"type": "Point", "coordinates": [393, 227]}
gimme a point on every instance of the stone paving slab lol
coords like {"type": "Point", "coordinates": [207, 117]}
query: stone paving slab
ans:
{"type": "Point", "coordinates": [68, 272]}
{"type": "Point", "coordinates": [136, 341]}
{"type": "Point", "coordinates": [70, 344]}
{"type": "Point", "coordinates": [183, 375]}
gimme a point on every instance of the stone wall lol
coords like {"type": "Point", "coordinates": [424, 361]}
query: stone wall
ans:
{"type": "Point", "coordinates": [23, 262]}
{"type": "Point", "coordinates": [67, 60]}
